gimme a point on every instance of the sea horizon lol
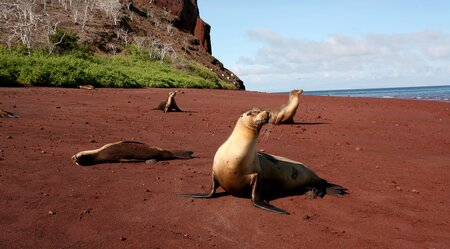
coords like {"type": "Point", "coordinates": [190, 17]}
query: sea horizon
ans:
{"type": "Point", "coordinates": [433, 93]}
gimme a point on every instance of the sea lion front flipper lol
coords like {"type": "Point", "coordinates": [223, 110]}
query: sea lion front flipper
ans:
{"type": "Point", "coordinates": [289, 121]}
{"type": "Point", "coordinates": [215, 185]}
{"type": "Point", "coordinates": [278, 119]}
{"type": "Point", "coordinates": [266, 206]}
{"type": "Point", "coordinates": [175, 107]}
{"type": "Point", "coordinates": [257, 198]}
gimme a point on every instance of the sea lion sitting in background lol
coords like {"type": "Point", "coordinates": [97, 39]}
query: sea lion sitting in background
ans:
{"type": "Point", "coordinates": [169, 104]}
{"type": "Point", "coordinates": [6, 114]}
{"type": "Point", "coordinates": [241, 171]}
{"type": "Point", "coordinates": [127, 151]}
{"type": "Point", "coordinates": [285, 114]}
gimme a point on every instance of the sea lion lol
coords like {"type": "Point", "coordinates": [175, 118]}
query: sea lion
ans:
{"type": "Point", "coordinates": [285, 114]}
{"type": "Point", "coordinates": [127, 151]}
{"type": "Point", "coordinates": [169, 104]}
{"type": "Point", "coordinates": [241, 171]}
{"type": "Point", "coordinates": [6, 114]}
{"type": "Point", "coordinates": [86, 87]}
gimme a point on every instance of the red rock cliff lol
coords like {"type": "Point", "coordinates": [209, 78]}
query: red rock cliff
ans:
{"type": "Point", "coordinates": [189, 19]}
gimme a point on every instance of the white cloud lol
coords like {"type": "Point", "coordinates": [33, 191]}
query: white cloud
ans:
{"type": "Point", "coordinates": [342, 61]}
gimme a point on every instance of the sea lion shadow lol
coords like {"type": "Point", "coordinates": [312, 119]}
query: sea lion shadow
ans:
{"type": "Point", "coordinates": [219, 194]}
{"type": "Point", "coordinates": [178, 111]}
{"type": "Point", "coordinates": [305, 123]}
{"type": "Point", "coordinates": [310, 193]}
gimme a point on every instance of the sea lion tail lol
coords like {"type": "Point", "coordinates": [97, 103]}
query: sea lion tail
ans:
{"type": "Point", "coordinates": [335, 190]}
{"type": "Point", "coordinates": [182, 154]}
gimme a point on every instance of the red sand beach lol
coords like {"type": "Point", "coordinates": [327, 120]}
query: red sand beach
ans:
{"type": "Point", "coordinates": [393, 156]}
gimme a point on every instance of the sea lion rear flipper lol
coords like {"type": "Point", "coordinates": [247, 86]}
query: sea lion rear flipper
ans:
{"type": "Point", "coordinates": [335, 190]}
{"type": "Point", "coordinates": [215, 185]}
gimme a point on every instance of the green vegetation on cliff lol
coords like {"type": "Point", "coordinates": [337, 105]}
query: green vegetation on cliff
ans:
{"type": "Point", "coordinates": [19, 67]}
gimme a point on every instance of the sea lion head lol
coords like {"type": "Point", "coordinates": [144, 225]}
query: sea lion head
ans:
{"type": "Point", "coordinates": [84, 158]}
{"type": "Point", "coordinates": [255, 118]}
{"type": "Point", "coordinates": [172, 94]}
{"type": "Point", "coordinates": [296, 92]}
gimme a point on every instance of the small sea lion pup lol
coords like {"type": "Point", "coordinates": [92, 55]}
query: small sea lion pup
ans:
{"type": "Point", "coordinates": [285, 114]}
{"type": "Point", "coordinates": [241, 171]}
{"type": "Point", "coordinates": [169, 104]}
{"type": "Point", "coordinates": [86, 87]}
{"type": "Point", "coordinates": [127, 151]}
{"type": "Point", "coordinates": [6, 114]}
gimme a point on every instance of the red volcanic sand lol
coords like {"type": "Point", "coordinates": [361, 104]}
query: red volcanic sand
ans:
{"type": "Point", "coordinates": [392, 155]}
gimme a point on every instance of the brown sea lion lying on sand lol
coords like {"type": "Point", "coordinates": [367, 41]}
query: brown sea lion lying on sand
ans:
{"type": "Point", "coordinates": [6, 114]}
{"type": "Point", "coordinates": [87, 87]}
{"type": "Point", "coordinates": [127, 151]}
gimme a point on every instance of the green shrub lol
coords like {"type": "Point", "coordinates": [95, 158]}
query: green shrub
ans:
{"type": "Point", "coordinates": [10, 67]}
{"type": "Point", "coordinates": [7, 78]}
{"type": "Point", "coordinates": [66, 41]}
{"type": "Point", "coordinates": [78, 68]}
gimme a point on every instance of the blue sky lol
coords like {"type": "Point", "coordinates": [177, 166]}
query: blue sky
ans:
{"type": "Point", "coordinates": [320, 45]}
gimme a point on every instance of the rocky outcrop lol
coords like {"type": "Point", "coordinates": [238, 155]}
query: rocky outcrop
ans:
{"type": "Point", "coordinates": [188, 19]}
{"type": "Point", "coordinates": [146, 25]}
{"type": "Point", "coordinates": [193, 38]}
{"type": "Point", "coordinates": [202, 32]}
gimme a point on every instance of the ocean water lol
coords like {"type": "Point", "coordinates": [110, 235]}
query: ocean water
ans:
{"type": "Point", "coordinates": [436, 93]}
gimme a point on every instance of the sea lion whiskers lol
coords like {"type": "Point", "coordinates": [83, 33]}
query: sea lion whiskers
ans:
{"type": "Point", "coordinates": [266, 133]}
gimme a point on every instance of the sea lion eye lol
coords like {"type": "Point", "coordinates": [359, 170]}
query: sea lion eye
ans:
{"type": "Point", "coordinates": [252, 112]}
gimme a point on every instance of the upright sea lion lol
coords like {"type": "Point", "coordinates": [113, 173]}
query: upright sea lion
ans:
{"type": "Point", "coordinates": [241, 171]}
{"type": "Point", "coordinates": [6, 114]}
{"type": "Point", "coordinates": [127, 151]}
{"type": "Point", "coordinates": [285, 114]}
{"type": "Point", "coordinates": [169, 104]}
